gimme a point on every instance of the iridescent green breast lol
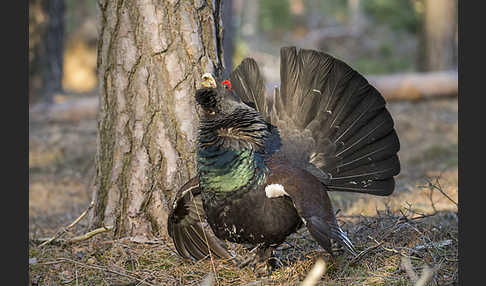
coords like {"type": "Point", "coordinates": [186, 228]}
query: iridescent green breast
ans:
{"type": "Point", "coordinates": [224, 169]}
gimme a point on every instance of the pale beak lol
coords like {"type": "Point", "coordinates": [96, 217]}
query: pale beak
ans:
{"type": "Point", "coordinates": [208, 80]}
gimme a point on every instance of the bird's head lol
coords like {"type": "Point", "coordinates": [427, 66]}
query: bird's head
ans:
{"type": "Point", "coordinates": [223, 114]}
{"type": "Point", "coordinates": [207, 80]}
{"type": "Point", "coordinates": [217, 101]}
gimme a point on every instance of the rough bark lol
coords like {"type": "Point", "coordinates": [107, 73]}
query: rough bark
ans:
{"type": "Point", "coordinates": [151, 55]}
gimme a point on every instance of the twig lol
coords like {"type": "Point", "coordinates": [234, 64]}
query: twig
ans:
{"type": "Point", "coordinates": [62, 259]}
{"type": "Point", "coordinates": [75, 239]}
{"type": "Point", "coordinates": [45, 239]}
{"type": "Point", "coordinates": [66, 229]}
{"type": "Point", "coordinates": [431, 199]}
{"type": "Point", "coordinates": [143, 280]}
{"type": "Point", "coordinates": [437, 244]}
{"type": "Point", "coordinates": [364, 252]}
{"type": "Point", "coordinates": [91, 234]}
{"type": "Point", "coordinates": [439, 188]}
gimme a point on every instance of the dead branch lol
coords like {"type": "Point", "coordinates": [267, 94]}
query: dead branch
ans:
{"type": "Point", "coordinates": [67, 228]}
{"type": "Point", "coordinates": [364, 252]}
{"type": "Point", "coordinates": [91, 234]}
{"type": "Point", "coordinates": [438, 187]}
{"type": "Point", "coordinates": [79, 238]}
{"type": "Point", "coordinates": [98, 267]}
{"type": "Point", "coordinates": [437, 244]}
{"type": "Point", "coordinates": [70, 109]}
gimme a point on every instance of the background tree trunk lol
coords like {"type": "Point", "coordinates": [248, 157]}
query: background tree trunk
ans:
{"type": "Point", "coordinates": [250, 19]}
{"type": "Point", "coordinates": [439, 35]}
{"type": "Point", "coordinates": [228, 30]}
{"type": "Point", "coordinates": [46, 45]}
{"type": "Point", "coordinates": [151, 55]}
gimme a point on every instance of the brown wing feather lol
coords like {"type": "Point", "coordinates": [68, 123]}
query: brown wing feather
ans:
{"type": "Point", "coordinates": [188, 227]}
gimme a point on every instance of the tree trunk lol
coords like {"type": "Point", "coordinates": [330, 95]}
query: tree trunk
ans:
{"type": "Point", "coordinates": [249, 25]}
{"type": "Point", "coordinates": [440, 21]}
{"type": "Point", "coordinates": [228, 45]}
{"type": "Point", "coordinates": [151, 56]}
{"type": "Point", "coordinates": [356, 21]}
{"type": "Point", "coordinates": [46, 44]}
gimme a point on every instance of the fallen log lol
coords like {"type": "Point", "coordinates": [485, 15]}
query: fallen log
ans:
{"type": "Point", "coordinates": [409, 86]}
{"type": "Point", "coordinates": [66, 109]}
{"type": "Point", "coordinates": [412, 86]}
{"type": "Point", "coordinates": [406, 86]}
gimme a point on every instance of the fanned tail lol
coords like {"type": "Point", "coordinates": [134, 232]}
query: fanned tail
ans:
{"type": "Point", "coordinates": [334, 119]}
{"type": "Point", "coordinates": [187, 226]}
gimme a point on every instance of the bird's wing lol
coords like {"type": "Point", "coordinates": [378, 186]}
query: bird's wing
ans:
{"type": "Point", "coordinates": [188, 227]}
{"type": "Point", "coordinates": [329, 115]}
{"type": "Point", "coordinates": [310, 200]}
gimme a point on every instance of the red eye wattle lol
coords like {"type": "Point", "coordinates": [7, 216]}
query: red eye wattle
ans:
{"type": "Point", "coordinates": [226, 84]}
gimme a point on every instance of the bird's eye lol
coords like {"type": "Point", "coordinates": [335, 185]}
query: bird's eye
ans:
{"type": "Point", "coordinates": [226, 84]}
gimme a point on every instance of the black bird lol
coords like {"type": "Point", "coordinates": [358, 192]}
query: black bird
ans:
{"type": "Point", "coordinates": [265, 165]}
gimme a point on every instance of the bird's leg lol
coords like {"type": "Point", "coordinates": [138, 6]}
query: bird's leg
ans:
{"type": "Point", "coordinates": [273, 261]}
{"type": "Point", "coordinates": [336, 248]}
{"type": "Point", "coordinates": [250, 258]}
{"type": "Point", "coordinates": [261, 260]}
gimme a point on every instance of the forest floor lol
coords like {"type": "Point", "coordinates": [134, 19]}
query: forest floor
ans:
{"type": "Point", "coordinates": [417, 224]}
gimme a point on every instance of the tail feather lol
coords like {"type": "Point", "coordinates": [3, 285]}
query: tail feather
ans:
{"type": "Point", "coordinates": [248, 83]}
{"type": "Point", "coordinates": [331, 120]}
{"type": "Point", "coordinates": [349, 132]}
{"type": "Point", "coordinates": [376, 151]}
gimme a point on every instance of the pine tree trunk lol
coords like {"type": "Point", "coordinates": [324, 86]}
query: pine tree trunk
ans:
{"type": "Point", "coordinates": [439, 35]}
{"type": "Point", "coordinates": [151, 55]}
{"type": "Point", "coordinates": [46, 49]}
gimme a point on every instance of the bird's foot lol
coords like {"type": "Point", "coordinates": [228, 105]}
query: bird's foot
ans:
{"type": "Point", "coordinates": [265, 268]}
{"type": "Point", "coordinates": [337, 249]}
{"type": "Point", "coordinates": [260, 260]}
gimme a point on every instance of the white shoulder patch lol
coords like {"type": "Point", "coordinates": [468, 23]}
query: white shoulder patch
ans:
{"type": "Point", "coordinates": [275, 191]}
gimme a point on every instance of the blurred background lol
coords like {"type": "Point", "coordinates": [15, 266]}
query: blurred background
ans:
{"type": "Point", "coordinates": [373, 36]}
{"type": "Point", "coordinates": [406, 48]}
